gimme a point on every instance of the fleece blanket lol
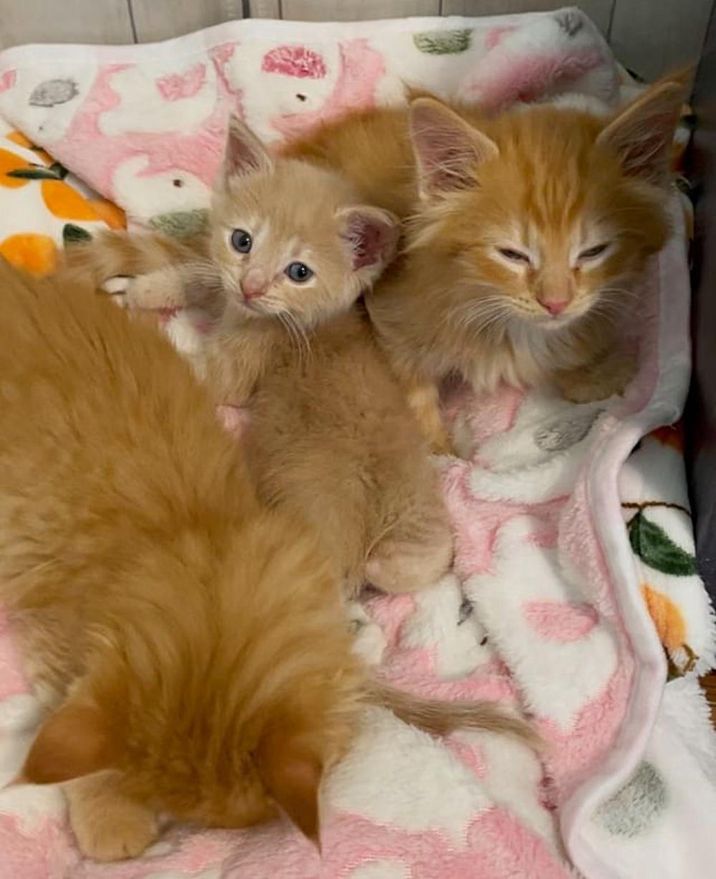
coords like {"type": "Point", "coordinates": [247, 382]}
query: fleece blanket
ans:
{"type": "Point", "coordinates": [585, 611]}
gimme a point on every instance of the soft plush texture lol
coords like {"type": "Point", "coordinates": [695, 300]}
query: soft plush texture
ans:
{"type": "Point", "coordinates": [546, 606]}
{"type": "Point", "coordinates": [146, 124]}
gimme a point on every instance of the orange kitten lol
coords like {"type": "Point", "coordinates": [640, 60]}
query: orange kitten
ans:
{"type": "Point", "coordinates": [168, 616]}
{"type": "Point", "coordinates": [529, 232]}
{"type": "Point", "coordinates": [289, 251]}
{"type": "Point", "coordinates": [189, 643]}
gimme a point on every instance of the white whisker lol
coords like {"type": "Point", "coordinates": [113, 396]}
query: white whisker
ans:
{"type": "Point", "coordinates": [487, 313]}
{"type": "Point", "coordinates": [297, 335]}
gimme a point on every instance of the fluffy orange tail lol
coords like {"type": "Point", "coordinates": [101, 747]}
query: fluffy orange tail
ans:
{"type": "Point", "coordinates": [440, 718]}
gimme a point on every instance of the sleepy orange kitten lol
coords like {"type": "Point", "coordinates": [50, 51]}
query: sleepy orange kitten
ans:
{"type": "Point", "coordinates": [188, 642]}
{"type": "Point", "coordinates": [528, 234]}
{"type": "Point", "coordinates": [289, 251]}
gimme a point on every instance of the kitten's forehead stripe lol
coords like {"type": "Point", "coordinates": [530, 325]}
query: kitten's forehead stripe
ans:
{"type": "Point", "coordinates": [294, 248]}
{"type": "Point", "coordinates": [263, 232]}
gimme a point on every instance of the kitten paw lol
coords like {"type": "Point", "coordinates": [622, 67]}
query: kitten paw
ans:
{"type": "Point", "coordinates": [108, 825]}
{"type": "Point", "coordinates": [441, 444]}
{"type": "Point", "coordinates": [598, 382]}
{"type": "Point", "coordinates": [139, 292]}
{"type": "Point", "coordinates": [409, 566]}
{"type": "Point", "coordinates": [112, 834]}
{"type": "Point", "coordinates": [117, 288]}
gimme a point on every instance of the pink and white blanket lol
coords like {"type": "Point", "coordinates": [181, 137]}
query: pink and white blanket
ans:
{"type": "Point", "coordinates": [547, 605]}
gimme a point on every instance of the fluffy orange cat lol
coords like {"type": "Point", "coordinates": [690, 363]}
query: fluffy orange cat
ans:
{"type": "Point", "coordinates": [528, 233]}
{"type": "Point", "coordinates": [167, 615]}
{"type": "Point", "coordinates": [188, 642]}
{"type": "Point", "coordinates": [289, 250]}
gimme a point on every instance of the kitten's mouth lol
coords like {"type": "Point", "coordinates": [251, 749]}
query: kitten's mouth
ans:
{"type": "Point", "coordinates": [252, 306]}
{"type": "Point", "coordinates": [559, 321]}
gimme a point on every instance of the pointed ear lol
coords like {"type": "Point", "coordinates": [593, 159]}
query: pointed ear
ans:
{"type": "Point", "coordinates": [292, 774]}
{"type": "Point", "coordinates": [372, 235]}
{"type": "Point", "coordinates": [447, 149]}
{"type": "Point", "coordinates": [642, 134]}
{"type": "Point", "coordinates": [72, 742]}
{"type": "Point", "coordinates": [244, 154]}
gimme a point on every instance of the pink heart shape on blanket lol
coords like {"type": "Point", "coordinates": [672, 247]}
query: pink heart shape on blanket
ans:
{"type": "Point", "coordinates": [175, 86]}
{"type": "Point", "coordinates": [560, 620]}
{"type": "Point", "coordinates": [294, 61]}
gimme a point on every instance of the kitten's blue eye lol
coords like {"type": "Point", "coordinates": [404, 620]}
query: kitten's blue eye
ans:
{"type": "Point", "coordinates": [298, 272]}
{"type": "Point", "coordinates": [241, 241]}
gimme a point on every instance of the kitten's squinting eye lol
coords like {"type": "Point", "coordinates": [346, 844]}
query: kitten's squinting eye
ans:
{"type": "Point", "coordinates": [241, 241]}
{"type": "Point", "coordinates": [514, 255]}
{"type": "Point", "coordinates": [593, 252]}
{"type": "Point", "coordinates": [298, 272]}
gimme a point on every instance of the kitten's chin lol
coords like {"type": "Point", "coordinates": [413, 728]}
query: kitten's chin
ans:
{"type": "Point", "coordinates": [554, 323]}
{"type": "Point", "coordinates": [538, 321]}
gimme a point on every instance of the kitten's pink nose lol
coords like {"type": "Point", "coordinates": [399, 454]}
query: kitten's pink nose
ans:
{"type": "Point", "coordinates": [254, 285]}
{"type": "Point", "coordinates": [554, 306]}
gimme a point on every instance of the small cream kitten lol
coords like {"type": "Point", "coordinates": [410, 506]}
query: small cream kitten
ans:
{"type": "Point", "coordinates": [288, 252]}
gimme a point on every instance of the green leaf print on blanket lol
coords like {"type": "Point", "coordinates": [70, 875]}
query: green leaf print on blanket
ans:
{"type": "Point", "coordinates": [181, 224]}
{"type": "Point", "coordinates": [635, 807]}
{"type": "Point", "coordinates": [656, 549]}
{"type": "Point", "coordinates": [40, 172]}
{"type": "Point", "coordinates": [443, 42]}
{"type": "Point", "coordinates": [72, 234]}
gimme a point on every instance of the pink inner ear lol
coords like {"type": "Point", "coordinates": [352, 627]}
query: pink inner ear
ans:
{"type": "Point", "coordinates": [370, 240]}
{"type": "Point", "coordinates": [642, 134]}
{"type": "Point", "coordinates": [650, 146]}
{"type": "Point", "coordinates": [244, 151]}
{"type": "Point", "coordinates": [368, 246]}
{"type": "Point", "coordinates": [241, 157]}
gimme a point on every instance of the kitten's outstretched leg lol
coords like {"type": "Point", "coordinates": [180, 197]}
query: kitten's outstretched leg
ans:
{"type": "Point", "coordinates": [602, 378]}
{"type": "Point", "coordinates": [109, 826]}
{"type": "Point", "coordinates": [174, 287]}
{"type": "Point", "coordinates": [162, 288]}
{"type": "Point", "coordinates": [148, 271]}
{"type": "Point", "coordinates": [120, 253]}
